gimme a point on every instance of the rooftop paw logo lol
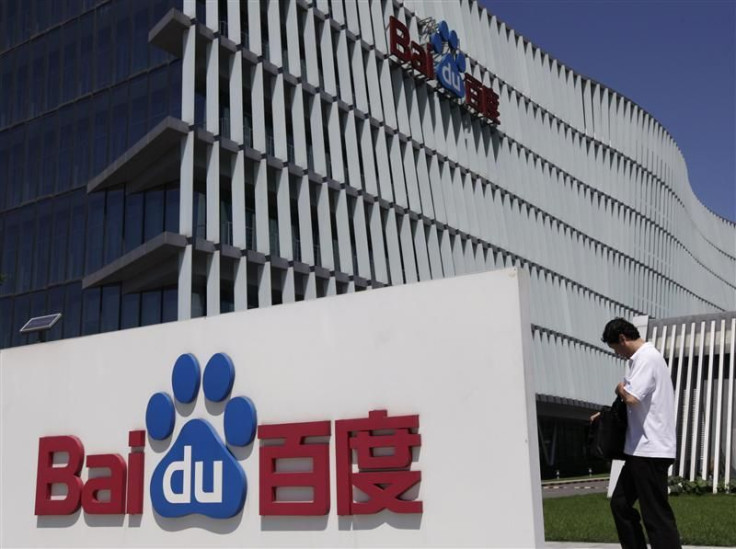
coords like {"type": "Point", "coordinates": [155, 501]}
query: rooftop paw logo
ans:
{"type": "Point", "coordinates": [452, 65]}
{"type": "Point", "coordinates": [199, 474]}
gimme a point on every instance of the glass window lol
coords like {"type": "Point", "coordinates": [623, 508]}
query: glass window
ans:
{"type": "Point", "coordinates": [226, 219]}
{"type": "Point", "coordinates": [9, 252]}
{"type": "Point", "coordinates": [25, 22]}
{"type": "Point", "coordinates": [72, 310]}
{"type": "Point", "coordinates": [130, 311]}
{"type": "Point", "coordinates": [141, 27]}
{"type": "Point", "coordinates": [6, 316]}
{"type": "Point", "coordinates": [172, 209]}
{"type": "Point", "coordinates": [55, 15]}
{"type": "Point", "coordinates": [53, 82]}
{"type": "Point", "coordinates": [201, 11]}
{"type": "Point", "coordinates": [200, 215]}
{"type": "Point", "coordinates": [138, 119]}
{"type": "Point", "coordinates": [80, 166]}
{"type": "Point", "coordinates": [59, 237]}
{"type": "Point", "coordinates": [21, 314]}
{"type": "Point", "coordinates": [71, 9]}
{"type": "Point", "coordinates": [200, 108]}
{"type": "Point", "coordinates": [175, 87]}
{"type": "Point", "coordinates": [95, 231]}
{"type": "Point", "coordinates": [122, 41]}
{"type": "Point", "coordinates": [43, 245]}
{"type": "Point", "coordinates": [3, 168]}
{"type": "Point", "coordinates": [30, 182]}
{"type": "Point", "coordinates": [170, 297]}
{"type": "Point", "coordinates": [11, 22]}
{"type": "Point", "coordinates": [6, 98]}
{"type": "Point", "coordinates": [154, 214]}
{"type": "Point", "coordinates": [49, 156]}
{"type": "Point", "coordinates": [159, 93]}
{"type": "Point", "coordinates": [26, 241]}
{"type": "Point", "coordinates": [86, 27]}
{"type": "Point", "coordinates": [69, 76]}
{"type": "Point", "coordinates": [103, 47]}
{"type": "Point", "coordinates": [119, 127]}
{"type": "Point", "coordinates": [133, 221]}
{"type": "Point", "coordinates": [42, 14]}
{"type": "Point", "coordinates": [99, 157]}
{"type": "Point", "coordinates": [227, 302]}
{"type": "Point", "coordinates": [151, 308]}
{"type": "Point", "coordinates": [199, 302]}
{"type": "Point", "coordinates": [56, 305]}
{"type": "Point", "coordinates": [110, 308]}
{"type": "Point", "coordinates": [39, 76]}
{"type": "Point", "coordinates": [3, 34]}
{"type": "Point", "coordinates": [21, 85]}
{"type": "Point", "coordinates": [77, 235]}
{"type": "Point", "coordinates": [91, 311]}
{"type": "Point", "coordinates": [17, 165]}
{"type": "Point", "coordinates": [160, 7]}
{"type": "Point", "coordinates": [114, 225]}
{"type": "Point", "coordinates": [66, 148]}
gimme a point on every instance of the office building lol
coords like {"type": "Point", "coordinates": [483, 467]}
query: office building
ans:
{"type": "Point", "coordinates": [167, 160]}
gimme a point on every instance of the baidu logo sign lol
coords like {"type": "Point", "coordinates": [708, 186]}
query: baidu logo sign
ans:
{"type": "Point", "coordinates": [199, 471]}
{"type": "Point", "coordinates": [449, 70]}
{"type": "Point", "coordinates": [451, 67]}
{"type": "Point", "coordinates": [199, 474]}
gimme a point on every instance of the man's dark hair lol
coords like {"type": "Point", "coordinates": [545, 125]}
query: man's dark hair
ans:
{"type": "Point", "coordinates": [617, 327]}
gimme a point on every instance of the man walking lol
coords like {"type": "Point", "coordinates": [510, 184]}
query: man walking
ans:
{"type": "Point", "coordinates": [650, 442]}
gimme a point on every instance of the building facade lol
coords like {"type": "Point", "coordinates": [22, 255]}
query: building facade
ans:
{"type": "Point", "coordinates": [173, 159]}
{"type": "Point", "coordinates": [701, 353]}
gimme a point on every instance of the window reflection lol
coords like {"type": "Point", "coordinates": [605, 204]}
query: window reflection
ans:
{"type": "Point", "coordinates": [91, 311]}
{"type": "Point", "coordinates": [150, 308]}
{"type": "Point", "coordinates": [130, 311]}
{"type": "Point", "coordinates": [122, 42]}
{"type": "Point", "coordinates": [70, 61]}
{"type": "Point", "coordinates": [69, 234]}
{"type": "Point", "coordinates": [95, 231]}
{"type": "Point", "coordinates": [110, 308]}
{"type": "Point", "coordinates": [72, 310]}
{"type": "Point", "coordinates": [43, 245]}
{"type": "Point", "coordinates": [59, 240]}
{"type": "Point", "coordinates": [77, 236]}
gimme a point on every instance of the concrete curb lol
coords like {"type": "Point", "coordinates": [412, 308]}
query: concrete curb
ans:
{"type": "Point", "coordinates": [575, 481]}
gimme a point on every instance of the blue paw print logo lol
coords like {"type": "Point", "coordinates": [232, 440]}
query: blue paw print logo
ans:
{"type": "Point", "coordinates": [452, 65]}
{"type": "Point", "coordinates": [199, 474]}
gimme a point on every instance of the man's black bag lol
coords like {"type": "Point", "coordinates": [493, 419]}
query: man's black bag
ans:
{"type": "Point", "coordinates": [608, 432]}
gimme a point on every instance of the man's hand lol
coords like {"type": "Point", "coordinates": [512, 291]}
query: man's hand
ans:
{"type": "Point", "coordinates": [594, 417]}
{"type": "Point", "coordinates": [626, 397]}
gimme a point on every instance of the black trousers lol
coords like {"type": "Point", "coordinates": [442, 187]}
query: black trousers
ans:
{"type": "Point", "coordinates": [644, 479]}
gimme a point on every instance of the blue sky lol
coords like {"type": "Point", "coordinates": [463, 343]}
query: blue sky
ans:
{"type": "Point", "coordinates": [674, 58]}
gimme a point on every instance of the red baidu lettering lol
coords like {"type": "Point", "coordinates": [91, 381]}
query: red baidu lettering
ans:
{"type": "Point", "coordinates": [383, 476]}
{"type": "Point", "coordinates": [136, 460]}
{"type": "Point", "coordinates": [47, 475]}
{"type": "Point", "coordinates": [408, 51]}
{"type": "Point", "coordinates": [120, 485]}
{"type": "Point", "coordinates": [481, 98]}
{"type": "Point", "coordinates": [474, 93]}
{"type": "Point", "coordinates": [399, 40]}
{"type": "Point", "coordinates": [114, 483]}
{"type": "Point", "coordinates": [295, 447]}
{"type": "Point", "coordinates": [490, 105]}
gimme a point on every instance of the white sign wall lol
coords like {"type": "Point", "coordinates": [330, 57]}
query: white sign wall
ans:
{"type": "Point", "coordinates": [452, 352]}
